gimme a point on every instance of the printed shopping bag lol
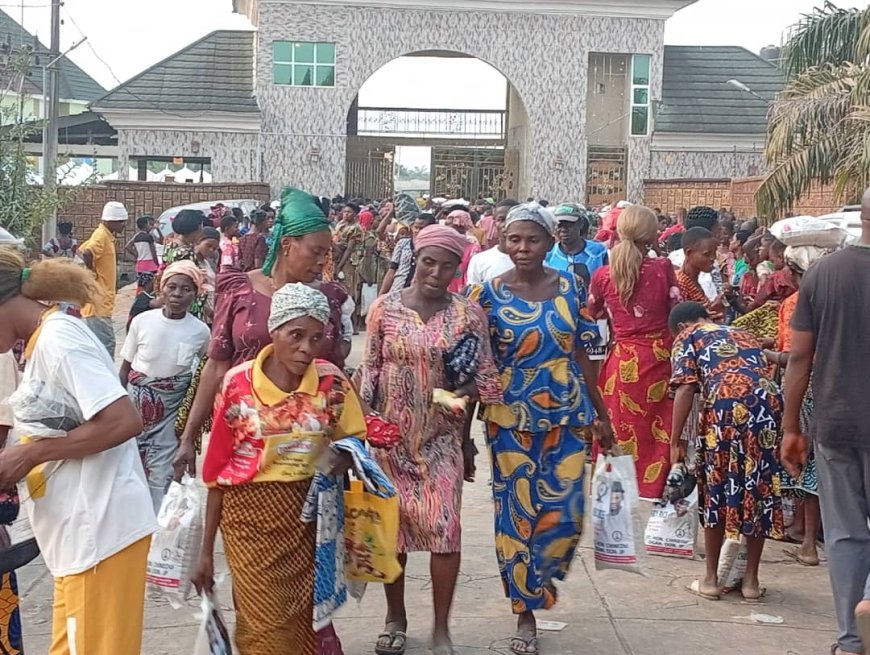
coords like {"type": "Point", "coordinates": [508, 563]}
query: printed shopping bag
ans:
{"type": "Point", "coordinates": [371, 530]}
{"type": "Point", "coordinates": [618, 535]}
{"type": "Point", "coordinates": [673, 528]}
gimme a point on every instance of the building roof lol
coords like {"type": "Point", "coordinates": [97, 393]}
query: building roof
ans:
{"type": "Point", "coordinates": [697, 98]}
{"type": "Point", "coordinates": [214, 74]}
{"type": "Point", "coordinates": [75, 84]}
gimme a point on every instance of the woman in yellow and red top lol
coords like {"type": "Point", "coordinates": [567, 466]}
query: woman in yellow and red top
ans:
{"type": "Point", "coordinates": [273, 420]}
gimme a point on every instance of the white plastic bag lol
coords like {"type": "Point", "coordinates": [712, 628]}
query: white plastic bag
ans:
{"type": "Point", "coordinates": [808, 231]}
{"type": "Point", "coordinates": [368, 295]}
{"type": "Point", "coordinates": [213, 637]}
{"type": "Point", "coordinates": [672, 530]}
{"type": "Point", "coordinates": [176, 544]}
{"type": "Point", "coordinates": [732, 564]}
{"type": "Point", "coordinates": [618, 535]}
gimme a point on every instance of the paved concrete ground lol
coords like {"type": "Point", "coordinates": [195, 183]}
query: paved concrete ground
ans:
{"type": "Point", "coordinates": [607, 613]}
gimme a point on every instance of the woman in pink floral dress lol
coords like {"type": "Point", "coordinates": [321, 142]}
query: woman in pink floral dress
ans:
{"type": "Point", "coordinates": [411, 350]}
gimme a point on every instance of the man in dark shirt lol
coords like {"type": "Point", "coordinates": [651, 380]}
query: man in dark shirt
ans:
{"type": "Point", "coordinates": [831, 338]}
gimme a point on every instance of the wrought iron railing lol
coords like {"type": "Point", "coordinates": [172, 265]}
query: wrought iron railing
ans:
{"type": "Point", "coordinates": [431, 123]}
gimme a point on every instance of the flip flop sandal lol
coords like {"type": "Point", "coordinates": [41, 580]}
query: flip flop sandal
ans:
{"type": "Point", "coordinates": [394, 636]}
{"type": "Point", "coordinates": [695, 589]}
{"type": "Point", "coordinates": [529, 646]}
{"type": "Point", "coordinates": [753, 600]}
{"type": "Point", "coordinates": [793, 554]}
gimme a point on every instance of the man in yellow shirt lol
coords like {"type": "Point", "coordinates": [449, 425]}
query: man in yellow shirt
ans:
{"type": "Point", "coordinates": [98, 253]}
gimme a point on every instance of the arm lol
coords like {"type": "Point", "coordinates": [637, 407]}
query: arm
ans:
{"type": "Point", "coordinates": [387, 284]}
{"type": "Point", "coordinates": [351, 246]}
{"type": "Point", "coordinates": [87, 258]}
{"type": "Point", "coordinates": [203, 578]}
{"type": "Point", "coordinates": [130, 248]}
{"type": "Point", "coordinates": [209, 383]}
{"type": "Point", "coordinates": [108, 428]}
{"type": "Point", "coordinates": [154, 253]}
{"type": "Point", "coordinates": [126, 367]}
{"type": "Point", "coordinates": [605, 433]}
{"type": "Point", "coordinates": [795, 448]}
{"type": "Point", "coordinates": [683, 400]}
{"type": "Point", "coordinates": [382, 227]}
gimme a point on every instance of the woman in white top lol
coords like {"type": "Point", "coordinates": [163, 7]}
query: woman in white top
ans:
{"type": "Point", "coordinates": [162, 349]}
{"type": "Point", "coordinates": [76, 462]}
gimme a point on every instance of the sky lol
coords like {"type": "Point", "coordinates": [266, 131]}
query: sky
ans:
{"type": "Point", "coordinates": [127, 36]}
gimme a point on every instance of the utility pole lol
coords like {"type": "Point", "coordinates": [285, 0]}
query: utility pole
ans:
{"type": "Point", "coordinates": [49, 135]}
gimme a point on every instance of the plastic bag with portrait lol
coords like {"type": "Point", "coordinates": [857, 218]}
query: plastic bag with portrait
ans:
{"type": "Point", "coordinates": [617, 531]}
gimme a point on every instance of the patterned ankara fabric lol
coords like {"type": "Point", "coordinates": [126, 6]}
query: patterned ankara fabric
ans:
{"type": "Point", "coordinates": [738, 446]}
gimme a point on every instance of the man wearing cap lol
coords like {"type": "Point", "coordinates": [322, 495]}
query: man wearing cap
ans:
{"type": "Point", "coordinates": [573, 251]}
{"type": "Point", "coordinates": [98, 254]}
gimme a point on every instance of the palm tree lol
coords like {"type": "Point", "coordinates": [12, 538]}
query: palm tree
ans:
{"type": "Point", "coordinates": [819, 126]}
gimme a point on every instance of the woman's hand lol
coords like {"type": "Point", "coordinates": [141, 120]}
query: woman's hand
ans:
{"type": "Point", "coordinates": [185, 459]}
{"type": "Point", "coordinates": [341, 464]}
{"type": "Point", "coordinates": [794, 453]}
{"type": "Point", "coordinates": [602, 432]}
{"type": "Point", "coordinates": [15, 463]}
{"type": "Point", "coordinates": [203, 577]}
{"type": "Point", "coordinates": [679, 452]}
{"type": "Point", "coordinates": [469, 450]}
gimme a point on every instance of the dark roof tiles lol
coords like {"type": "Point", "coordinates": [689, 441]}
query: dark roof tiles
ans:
{"type": "Point", "coordinates": [215, 73]}
{"type": "Point", "coordinates": [696, 96]}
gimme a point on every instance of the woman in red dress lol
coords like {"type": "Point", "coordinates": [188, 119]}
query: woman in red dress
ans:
{"type": "Point", "coordinates": [637, 293]}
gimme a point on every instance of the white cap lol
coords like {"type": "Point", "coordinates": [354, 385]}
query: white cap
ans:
{"type": "Point", "coordinates": [114, 211]}
{"type": "Point", "coordinates": [622, 204]}
{"type": "Point", "coordinates": [276, 205]}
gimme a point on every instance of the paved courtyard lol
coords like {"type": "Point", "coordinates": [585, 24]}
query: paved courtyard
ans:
{"type": "Point", "coordinates": [607, 613]}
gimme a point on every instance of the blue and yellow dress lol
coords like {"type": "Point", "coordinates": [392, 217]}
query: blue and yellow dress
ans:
{"type": "Point", "coordinates": [535, 437]}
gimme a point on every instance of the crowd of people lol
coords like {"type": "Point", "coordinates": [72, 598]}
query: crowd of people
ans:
{"type": "Point", "coordinates": [566, 331]}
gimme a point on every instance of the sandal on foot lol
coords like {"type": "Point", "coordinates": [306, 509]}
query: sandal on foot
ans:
{"type": "Point", "coordinates": [695, 589]}
{"type": "Point", "coordinates": [794, 554]}
{"type": "Point", "coordinates": [396, 646]}
{"type": "Point", "coordinates": [524, 646]}
{"type": "Point", "coordinates": [762, 592]}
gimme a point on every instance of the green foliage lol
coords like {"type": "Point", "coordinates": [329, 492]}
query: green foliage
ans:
{"type": "Point", "coordinates": [23, 204]}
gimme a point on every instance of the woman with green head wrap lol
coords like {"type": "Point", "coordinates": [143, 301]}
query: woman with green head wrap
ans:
{"type": "Point", "coordinates": [301, 239]}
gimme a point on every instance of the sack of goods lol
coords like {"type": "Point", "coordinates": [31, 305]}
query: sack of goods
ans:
{"type": "Point", "coordinates": [672, 530]}
{"type": "Point", "coordinates": [808, 231]}
{"type": "Point", "coordinates": [618, 536]}
{"type": "Point", "coordinates": [732, 564]}
{"type": "Point", "coordinates": [176, 544]}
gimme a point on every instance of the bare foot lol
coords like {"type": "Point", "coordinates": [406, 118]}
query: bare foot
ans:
{"type": "Point", "coordinates": [752, 592]}
{"type": "Point", "coordinates": [525, 642]}
{"type": "Point", "coordinates": [442, 644]}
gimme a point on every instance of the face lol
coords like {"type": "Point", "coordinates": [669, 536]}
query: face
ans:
{"type": "Point", "coordinates": [305, 257]}
{"type": "Point", "coordinates": [150, 225]}
{"type": "Point", "coordinates": [178, 293]}
{"type": "Point", "coordinates": [346, 214]}
{"type": "Point", "coordinates": [764, 251]}
{"type": "Point", "coordinates": [735, 246]}
{"type": "Point", "coordinates": [453, 220]}
{"type": "Point", "coordinates": [207, 248]}
{"type": "Point", "coordinates": [436, 268]}
{"type": "Point", "coordinates": [297, 343]}
{"type": "Point", "coordinates": [568, 231]}
{"type": "Point", "coordinates": [527, 243]}
{"type": "Point", "coordinates": [417, 226]}
{"type": "Point", "coordinates": [115, 227]}
{"type": "Point", "coordinates": [777, 258]}
{"type": "Point", "coordinates": [232, 230]}
{"type": "Point", "coordinates": [703, 255]}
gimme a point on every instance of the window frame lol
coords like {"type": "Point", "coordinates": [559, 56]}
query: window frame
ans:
{"type": "Point", "coordinates": [293, 66]}
{"type": "Point", "coordinates": [640, 87]}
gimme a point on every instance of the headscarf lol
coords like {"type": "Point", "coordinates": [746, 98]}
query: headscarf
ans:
{"type": "Point", "coordinates": [293, 301]}
{"type": "Point", "coordinates": [531, 211]}
{"type": "Point", "coordinates": [406, 208]}
{"type": "Point", "coordinates": [801, 258]}
{"type": "Point", "coordinates": [441, 236]}
{"type": "Point", "coordinates": [183, 267]}
{"type": "Point", "coordinates": [366, 219]}
{"type": "Point", "coordinates": [301, 214]}
{"type": "Point", "coordinates": [460, 218]}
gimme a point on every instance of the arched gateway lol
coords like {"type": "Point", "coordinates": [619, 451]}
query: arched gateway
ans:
{"type": "Point", "coordinates": [583, 69]}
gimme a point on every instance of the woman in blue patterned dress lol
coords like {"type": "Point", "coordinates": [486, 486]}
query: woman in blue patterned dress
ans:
{"type": "Point", "coordinates": [737, 460]}
{"type": "Point", "coordinates": [535, 437]}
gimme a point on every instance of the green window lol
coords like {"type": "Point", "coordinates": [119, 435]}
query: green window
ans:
{"type": "Point", "coordinates": [640, 102]}
{"type": "Point", "coordinates": [303, 63]}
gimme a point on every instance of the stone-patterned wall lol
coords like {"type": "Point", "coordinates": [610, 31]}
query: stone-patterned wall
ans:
{"type": "Point", "coordinates": [674, 165]}
{"type": "Point", "coordinates": [670, 195]}
{"type": "Point", "coordinates": [818, 201]}
{"type": "Point", "coordinates": [233, 155]}
{"type": "Point", "coordinates": [84, 205]}
{"type": "Point", "coordinates": [545, 57]}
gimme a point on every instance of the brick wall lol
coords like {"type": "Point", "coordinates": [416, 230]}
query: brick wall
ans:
{"type": "Point", "coordinates": [85, 204]}
{"type": "Point", "coordinates": [817, 201]}
{"type": "Point", "coordinates": [670, 195]}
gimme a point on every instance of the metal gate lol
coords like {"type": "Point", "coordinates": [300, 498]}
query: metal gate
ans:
{"type": "Point", "coordinates": [369, 170]}
{"type": "Point", "coordinates": [605, 175]}
{"type": "Point", "coordinates": [470, 172]}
